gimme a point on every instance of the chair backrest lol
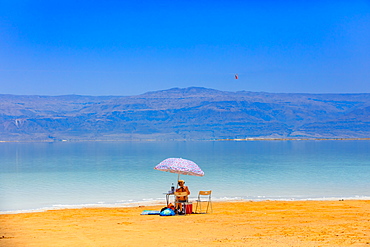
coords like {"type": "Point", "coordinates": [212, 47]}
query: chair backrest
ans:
{"type": "Point", "coordinates": [205, 192]}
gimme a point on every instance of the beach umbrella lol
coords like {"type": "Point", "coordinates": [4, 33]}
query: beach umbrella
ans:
{"type": "Point", "coordinates": [180, 166]}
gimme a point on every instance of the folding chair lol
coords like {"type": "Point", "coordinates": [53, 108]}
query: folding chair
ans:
{"type": "Point", "coordinates": [184, 203]}
{"type": "Point", "coordinates": [204, 196]}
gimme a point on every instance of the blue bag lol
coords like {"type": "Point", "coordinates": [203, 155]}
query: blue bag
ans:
{"type": "Point", "coordinates": [167, 212]}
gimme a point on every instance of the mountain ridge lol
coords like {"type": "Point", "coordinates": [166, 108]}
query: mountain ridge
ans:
{"type": "Point", "coordinates": [193, 113]}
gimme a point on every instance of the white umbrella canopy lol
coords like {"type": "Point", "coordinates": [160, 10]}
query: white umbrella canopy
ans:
{"type": "Point", "coordinates": [180, 166]}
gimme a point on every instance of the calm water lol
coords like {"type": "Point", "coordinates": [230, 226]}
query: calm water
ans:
{"type": "Point", "coordinates": [36, 176]}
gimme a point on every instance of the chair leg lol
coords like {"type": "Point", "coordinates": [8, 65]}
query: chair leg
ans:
{"type": "Point", "coordinates": [199, 204]}
{"type": "Point", "coordinates": [209, 205]}
{"type": "Point", "coordinates": [185, 206]}
{"type": "Point", "coordinates": [200, 207]}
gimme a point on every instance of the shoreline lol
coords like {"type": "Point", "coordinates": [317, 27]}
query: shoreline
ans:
{"type": "Point", "coordinates": [231, 139]}
{"type": "Point", "coordinates": [246, 223]}
{"type": "Point", "coordinates": [160, 203]}
{"type": "Point", "coordinates": [297, 139]}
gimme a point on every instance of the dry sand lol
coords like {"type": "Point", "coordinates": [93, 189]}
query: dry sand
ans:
{"type": "Point", "coordinates": [267, 223]}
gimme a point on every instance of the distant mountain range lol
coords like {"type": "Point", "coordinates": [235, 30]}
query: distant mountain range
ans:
{"type": "Point", "coordinates": [184, 114]}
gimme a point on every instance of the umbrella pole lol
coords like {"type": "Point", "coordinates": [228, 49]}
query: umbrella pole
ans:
{"type": "Point", "coordinates": [178, 178]}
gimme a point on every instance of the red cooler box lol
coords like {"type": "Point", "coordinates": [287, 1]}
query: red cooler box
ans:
{"type": "Point", "coordinates": [189, 208]}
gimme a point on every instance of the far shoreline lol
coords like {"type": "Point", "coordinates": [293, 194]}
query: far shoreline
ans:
{"type": "Point", "coordinates": [296, 139]}
{"type": "Point", "coordinates": [176, 140]}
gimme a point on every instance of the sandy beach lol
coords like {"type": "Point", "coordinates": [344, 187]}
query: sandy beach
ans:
{"type": "Point", "coordinates": [265, 223]}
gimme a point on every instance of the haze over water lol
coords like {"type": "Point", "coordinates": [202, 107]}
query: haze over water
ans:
{"type": "Point", "coordinates": [37, 176]}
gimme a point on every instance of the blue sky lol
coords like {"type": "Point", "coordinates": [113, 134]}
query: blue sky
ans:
{"type": "Point", "coordinates": [131, 47]}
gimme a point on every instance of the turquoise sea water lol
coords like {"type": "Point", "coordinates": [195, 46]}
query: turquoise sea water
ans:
{"type": "Point", "coordinates": [39, 176]}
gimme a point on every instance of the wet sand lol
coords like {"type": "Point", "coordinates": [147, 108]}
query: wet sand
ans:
{"type": "Point", "coordinates": [266, 223]}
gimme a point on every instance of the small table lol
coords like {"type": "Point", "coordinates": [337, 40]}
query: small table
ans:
{"type": "Point", "coordinates": [168, 197]}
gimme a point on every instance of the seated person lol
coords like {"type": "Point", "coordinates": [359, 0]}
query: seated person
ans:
{"type": "Point", "coordinates": [180, 199]}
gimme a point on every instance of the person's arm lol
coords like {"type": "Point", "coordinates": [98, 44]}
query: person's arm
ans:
{"type": "Point", "coordinates": [187, 190]}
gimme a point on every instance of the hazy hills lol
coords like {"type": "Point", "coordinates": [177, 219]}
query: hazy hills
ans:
{"type": "Point", "coordinates": [184, 114]}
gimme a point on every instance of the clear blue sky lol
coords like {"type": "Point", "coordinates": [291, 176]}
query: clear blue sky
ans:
{"type": "Point", "coordinates": [109, 47]}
